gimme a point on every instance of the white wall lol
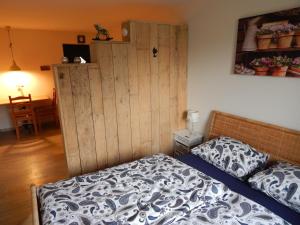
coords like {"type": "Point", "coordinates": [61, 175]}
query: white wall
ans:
{"type": "Point", "coordinates": [211, 83]}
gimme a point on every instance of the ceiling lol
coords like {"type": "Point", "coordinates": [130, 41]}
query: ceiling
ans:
{"type": "Point", "coordinates": [80, 15]}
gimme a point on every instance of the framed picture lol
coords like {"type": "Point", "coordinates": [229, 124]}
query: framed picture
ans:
{"type": "Point", "coordinates": [80, 39]}
{"type": "Point", "coordinates": [269, 45]}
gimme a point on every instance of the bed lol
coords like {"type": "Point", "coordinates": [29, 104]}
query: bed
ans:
{"type": "Point", "coordinates": [162, 190]}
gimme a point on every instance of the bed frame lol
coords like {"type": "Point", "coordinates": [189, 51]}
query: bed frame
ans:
{"type": "Point", "coordinates": [281, 143]}
{"type": "Point", "coordinates": [35, 208]}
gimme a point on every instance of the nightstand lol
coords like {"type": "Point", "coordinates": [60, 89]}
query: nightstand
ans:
{"type": "Point", "coordinates": [184, 141]}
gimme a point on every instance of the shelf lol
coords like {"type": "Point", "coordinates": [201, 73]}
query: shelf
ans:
{"type": "Point", "coordinates": [271, 50]}
{"type": "Point", "coordinates": [296, 74]}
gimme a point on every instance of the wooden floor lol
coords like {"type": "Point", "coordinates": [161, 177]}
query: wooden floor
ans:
{"type": "Point", "coordinates": [33, 160]}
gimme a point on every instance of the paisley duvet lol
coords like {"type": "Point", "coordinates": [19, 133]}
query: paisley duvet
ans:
{"type": "Point", "coordinates": [153, 190]}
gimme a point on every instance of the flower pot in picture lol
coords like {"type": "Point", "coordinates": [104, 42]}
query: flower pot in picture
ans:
{"type": "Point", "coordinates": [296, 69]}
{"type": "Point", "coordinates": [279, 71]}
{"type": "Point", "coordinates": [264, 41]}
{"type": "Point", "coordinates": [285, 40]}
{"type": "Point", "coordinates": [297, 38]}
{"type": "Point", "coordinates": [280, 65]}
{"type": "Point", "coordinates": [273, 45]}
{"type": "Point", "coordinates": [261, 71]}
{"type": "Point", "coordinates": [261, 65]}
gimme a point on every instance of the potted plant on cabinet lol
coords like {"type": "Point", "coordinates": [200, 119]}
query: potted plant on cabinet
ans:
{"type": "Point", "coordinates": [261, 65]}
{"type": "Point", "coordinates": [264, 38]}
{"type": "Point", "coordinates": [284, 34]}
{"type": "Point", "coordinates": [280, 65]}
{"type": "Point", "coordinates": [295, 65]}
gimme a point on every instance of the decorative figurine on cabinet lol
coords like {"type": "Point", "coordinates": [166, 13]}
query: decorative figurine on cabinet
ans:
{"type": "Point", "coordinates": [102, 33]}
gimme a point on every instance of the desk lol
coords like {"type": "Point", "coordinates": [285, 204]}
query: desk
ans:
{"type": "Point", "coordinates": [35, 100]}
{"type": "Point", "coordinates": [5, 118]}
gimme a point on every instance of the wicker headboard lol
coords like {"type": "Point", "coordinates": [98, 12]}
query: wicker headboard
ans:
{"type": "Point", "coordinates": [279, 142]}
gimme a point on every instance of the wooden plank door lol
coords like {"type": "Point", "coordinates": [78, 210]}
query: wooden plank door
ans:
{"type": "Point", "coordinates": [144, 80]}
{"type": "Point", "coordinates": [154, 74]}
{"type": "Point", "coordinates": [105, 61]}
{"type": "Point", "coordinates": [182, 46]}
{"type": "Point", "coordinates": [84, 117]}
{"type": "Point", "coordinates": [127, 105]}
{"type": "Point", "coordinates": [133, 81]}
{"type": "Point", "coordinates": [98, 115]}
{"type": "Point", "coordinates": [120, 64]}
{"type": "Point", "coordinates": [164, 88]}
{"type": "Point", "coordinates": [67, 119]}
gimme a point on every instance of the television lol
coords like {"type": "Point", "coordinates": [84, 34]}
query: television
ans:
{"type": "Point", "coordinates": [72, 50]}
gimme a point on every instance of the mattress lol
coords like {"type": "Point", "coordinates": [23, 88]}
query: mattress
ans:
{"type": "Point", "coordinates": [154, 190]}
{"type": "Point", "coordinates": [241, 187]}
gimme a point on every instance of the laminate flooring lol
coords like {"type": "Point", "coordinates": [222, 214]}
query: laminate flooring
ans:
{"type": "Point", "coordinates": [32, 160]}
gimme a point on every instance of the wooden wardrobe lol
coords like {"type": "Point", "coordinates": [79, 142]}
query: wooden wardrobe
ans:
{"type": "Point", "coordinates": [128, 102]}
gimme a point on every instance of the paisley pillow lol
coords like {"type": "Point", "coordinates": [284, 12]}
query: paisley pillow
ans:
{"type": "Point", "coordinates": [281, 182]}
{"type": "Point", "coordinates": [232, 156]}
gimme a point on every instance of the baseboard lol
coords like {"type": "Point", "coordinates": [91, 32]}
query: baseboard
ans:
{"type": "Point", "coordinates": [7, 129]}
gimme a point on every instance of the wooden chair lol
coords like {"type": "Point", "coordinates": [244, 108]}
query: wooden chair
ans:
{"type": "Point", "coordinates": [22, 112]}
{"type": "Point", "coordinates": [47, 111]}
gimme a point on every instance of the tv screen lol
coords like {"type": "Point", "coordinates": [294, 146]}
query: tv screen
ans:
{"type": "Point", "coordinates": [72, 50]}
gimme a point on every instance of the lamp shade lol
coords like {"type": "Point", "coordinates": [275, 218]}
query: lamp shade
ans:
{"type": "Point", "coordinates": [193, 116]}
{"type": "Point", "coordinates": [14, 67]}
{"type": "Point", "coordinates": [193, 121]}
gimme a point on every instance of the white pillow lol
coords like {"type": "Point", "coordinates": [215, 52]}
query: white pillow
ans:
{"type": "Point", "coordinates": [281, 182]}
{"type": "Point", "coordinates": [232, 156]}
